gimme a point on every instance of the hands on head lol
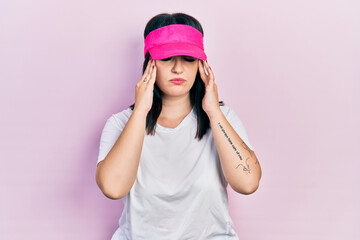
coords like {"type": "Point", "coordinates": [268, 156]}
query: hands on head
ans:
{"type": "Point", "coordinates": [144, 88]}
{"type": "Point", "coordinates": [210, 101]}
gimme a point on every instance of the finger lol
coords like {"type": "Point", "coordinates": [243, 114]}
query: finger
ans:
{"type": "Point", "coordinates": [209, 70]}
{"type": "Point", "coordinates": [150, 71]}
{"type": "Point", "coordinates": [202, 72]}
{"type": "Point", "coordinates": [145, 75]}
{"type": "Point", "coordinates": [143, 79]}
{"type": "Point", "coordinates": [153, 75]}
{"type": "Point", "coordinates": [147, 70]}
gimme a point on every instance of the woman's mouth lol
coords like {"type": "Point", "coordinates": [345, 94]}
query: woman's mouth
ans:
{"type": "Point", "coordinates": [177, 81]}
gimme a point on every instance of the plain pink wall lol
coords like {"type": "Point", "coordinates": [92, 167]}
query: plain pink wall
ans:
{"type": "Point", "coordinates": [290, 69]}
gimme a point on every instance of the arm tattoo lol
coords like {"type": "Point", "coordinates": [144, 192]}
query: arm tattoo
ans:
{"type": "Point", "coordinates": [245, 166]}
{"type": "Point", "coordinates": [250, 152]}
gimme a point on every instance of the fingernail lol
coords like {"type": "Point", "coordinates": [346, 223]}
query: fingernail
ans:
{"type": "Point", "coordinates": [153, 66]}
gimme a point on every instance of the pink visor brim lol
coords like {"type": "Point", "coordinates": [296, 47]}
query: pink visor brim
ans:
{"type": "Point", "coordinates": [176, 49]}
{"type": "Point", "coordinates": [174, 40]}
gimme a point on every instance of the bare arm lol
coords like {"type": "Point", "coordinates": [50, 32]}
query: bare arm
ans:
{"type": "Point", "coordinates": [239, 163]}
{"type": "Point", "coordinates": [116, 174]}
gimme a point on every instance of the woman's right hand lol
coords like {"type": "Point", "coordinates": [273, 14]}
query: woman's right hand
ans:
{"type": "Point", "coordinates": [144, 89]}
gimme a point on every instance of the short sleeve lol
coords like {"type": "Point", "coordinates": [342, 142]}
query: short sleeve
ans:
{"type": "Point", "coordinates": [111, 132]}
{"type": "Point", "coordinates": [237, 124]}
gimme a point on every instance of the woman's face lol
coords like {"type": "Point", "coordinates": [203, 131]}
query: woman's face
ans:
{"type": "Point", "coordinates": [176, 75]}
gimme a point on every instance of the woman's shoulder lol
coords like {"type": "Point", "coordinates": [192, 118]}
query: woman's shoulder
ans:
{"type": "Point", "coordinates": [124, 114]}
{"type": "Point", "coordinates": [226, 110]}
{"type": "Point", "coordinates": [230, 114]}
{"type": "Point", "coordinates": [120, 119]}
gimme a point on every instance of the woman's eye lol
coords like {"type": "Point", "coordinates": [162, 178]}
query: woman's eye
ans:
{"type": "Point", "coordinates": [166, 59]}
{"type": "Point", "coordinates": [189, 59]}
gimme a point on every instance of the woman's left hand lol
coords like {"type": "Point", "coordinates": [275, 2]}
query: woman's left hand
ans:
{"type": "Point", "coordinates": [210, 101]}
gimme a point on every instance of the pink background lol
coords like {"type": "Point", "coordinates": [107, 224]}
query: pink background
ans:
{"type": "Point", "coordinates": [290, 69]}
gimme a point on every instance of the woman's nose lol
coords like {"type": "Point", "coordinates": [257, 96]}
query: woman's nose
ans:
{"type": "Point", "coordinates": [178, 65]}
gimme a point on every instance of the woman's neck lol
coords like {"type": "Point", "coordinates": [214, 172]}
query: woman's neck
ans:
{"type": "Point", "coordinates": [174, 108]}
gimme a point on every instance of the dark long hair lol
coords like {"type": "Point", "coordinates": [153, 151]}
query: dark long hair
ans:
{"type": "Point", "coordinates": [196, 92]}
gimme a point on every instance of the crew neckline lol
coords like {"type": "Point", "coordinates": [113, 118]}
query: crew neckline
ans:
{"type": "Point", "coordinates": [183, 122]}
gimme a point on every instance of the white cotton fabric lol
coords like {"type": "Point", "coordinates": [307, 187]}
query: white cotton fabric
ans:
{"type": "Point", "coordinates": [180, 190]}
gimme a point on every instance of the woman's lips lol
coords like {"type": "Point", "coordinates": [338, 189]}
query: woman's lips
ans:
{"type": "Point", "coordinates": [177, 80]}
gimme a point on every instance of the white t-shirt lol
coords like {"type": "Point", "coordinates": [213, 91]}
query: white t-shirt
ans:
{"type": "Point", "coordinates": [180, 190]}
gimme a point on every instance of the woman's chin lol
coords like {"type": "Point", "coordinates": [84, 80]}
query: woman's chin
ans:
{"type": "Point", "coordinates": [175, 93]}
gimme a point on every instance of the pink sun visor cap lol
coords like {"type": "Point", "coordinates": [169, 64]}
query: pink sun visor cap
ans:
{"type": "Point", "coordinates": [174, 40]}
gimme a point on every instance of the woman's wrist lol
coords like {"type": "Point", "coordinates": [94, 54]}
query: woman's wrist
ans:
{"type": "Point", "coordinates": [215, 115]}
{"type": "Point", "coordinates": [140, 113]}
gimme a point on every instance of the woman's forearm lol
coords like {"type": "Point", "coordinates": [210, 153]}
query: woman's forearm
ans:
{"type": "Point", "coordinates": [116, 174]}
{"type": "Point", "coordinates": [239, 163]}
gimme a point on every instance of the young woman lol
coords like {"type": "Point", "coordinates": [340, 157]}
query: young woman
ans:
{"type": "Point", "coordinates": [170, 156]}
